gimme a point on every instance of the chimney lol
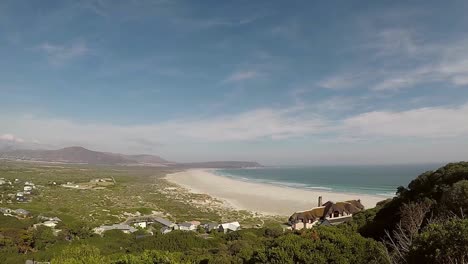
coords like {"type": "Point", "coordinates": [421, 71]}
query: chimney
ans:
{"type": "Point", "coordinates": [319, 201]}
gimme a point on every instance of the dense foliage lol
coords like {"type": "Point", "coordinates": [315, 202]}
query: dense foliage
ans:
{"type": "Point", "coordinates": [446, 189]}
{"type": "Point", "coordinates": [425, 223]}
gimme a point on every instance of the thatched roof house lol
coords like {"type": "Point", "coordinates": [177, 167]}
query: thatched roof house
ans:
{"type": "Point", "coordinates": [335, 212]}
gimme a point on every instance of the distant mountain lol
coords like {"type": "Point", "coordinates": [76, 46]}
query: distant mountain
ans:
{"type": "Point", "coordinates": [145, 159]}
{"type": "Point", "coordinates": [220, 164]}
{"type": "Point", "coordinates": [81, 155]}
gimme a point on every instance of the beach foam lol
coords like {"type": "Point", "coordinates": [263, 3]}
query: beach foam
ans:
{"type": "Point", "coordinates": [260, 197]}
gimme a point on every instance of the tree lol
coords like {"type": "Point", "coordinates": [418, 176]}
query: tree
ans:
{"type": "Point", "coordinates": [43, 237]}
{"type": "Point", "coordinates": [445, 242]}
{"type": "Point", "coordinates": [150, 257]}
{"type": "Point", "coordinates": [456, 198]}
{"type": "Point", "coordinates": [82, 254]}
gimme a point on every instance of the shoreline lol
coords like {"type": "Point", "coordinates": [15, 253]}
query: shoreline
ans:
{"type": "Point", "coordinates": [257, 197]}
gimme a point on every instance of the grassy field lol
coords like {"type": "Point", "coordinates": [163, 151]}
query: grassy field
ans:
{"type": "Point", "coordinates": [137, 189]}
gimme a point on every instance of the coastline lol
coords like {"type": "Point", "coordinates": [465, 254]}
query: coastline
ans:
{"type": "Point", "coordinates": [262, 198]}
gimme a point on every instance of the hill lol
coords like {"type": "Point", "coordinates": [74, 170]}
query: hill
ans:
{"type": "Point", "coordinates": [81, 155]}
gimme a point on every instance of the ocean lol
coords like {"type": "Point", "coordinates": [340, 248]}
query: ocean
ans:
{"type": "Point", "coordinates": [381, 180]}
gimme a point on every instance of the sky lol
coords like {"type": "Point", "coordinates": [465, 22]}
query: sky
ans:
{"type": "Point", "coordinates": [278, 82]}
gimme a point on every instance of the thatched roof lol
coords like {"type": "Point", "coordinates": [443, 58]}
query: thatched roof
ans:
{"type": "Point", "coordinates": [313, 215]}
{"type": "Point", "coordinates": [317, 213]}
{"type": "Point", "coordinates": [349, 207]}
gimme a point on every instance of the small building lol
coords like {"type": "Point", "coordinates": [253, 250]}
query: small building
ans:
{"type": "Point", "coordinates": [165, 222]}
{"type": "Point", "coordinates": [141, 224]}
{"type": "Point", "coordinates": [51, 224]}
{"type": "Point", "coordinates": [2, 181]}
{"type": "Point", "coordinates": [187, 226]}
{"type": "Point", "coordinates": [22, 212]}
{"type": "Point", "coordinates": [229, 227]}
{"type": "Point", "coordinates": [29, 261]}
{"type": "Point", "coordinates": [196, 223]}
{"type": "Point", "coordinates": [27, 188]}
{"type": "Point", "coordinates": [210, 227]}
{"type": "Point", "coordinates": [165, 230]}
{"type": "Point", "coordinates": [20, 197]}
{"type": "Point", "coordinates": [122, 227]}
{"type": "Point", "coordinates": [5, 210]}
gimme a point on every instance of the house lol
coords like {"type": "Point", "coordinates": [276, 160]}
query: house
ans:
{"type": "Point", "coordinates": [51, 224]}
{"type": "Point", "coordinates": [165, 230]}
{"type": "Point", "coordinates": [122, 227]}
{"type": "Point", "coordinates": [20, 197]}
{"type": "Point", "coordinates": [141, 224]}
{"type": "Point", "coordinates": [196, 223]}
{"type": "Point", "coordinates": [335, 221]}
{"type": "Point", "coordinates": [211, 226]}
{"type": "Point", "coordinates": [187, 226]}
{"type": "Point", "coordinates": [22, 212]}
{"type": "Point", "coordinates": [48, 221]}
{"type": "Point", "coordinates": [165, 222]}
{"type": "Point", "coordinates": [329, 213]}
{"type": "Point", "coordinates": [229, 227]}
{"type": "Point", "coordinates": [5, 210]}
{"type": "Point", "coordinates": [27, 188]}
{"type": "Point", "coordinates": [29, 261]}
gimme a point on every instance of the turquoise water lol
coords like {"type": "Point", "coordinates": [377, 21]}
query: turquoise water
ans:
{"type": "Point", "coordinates": [380, 180]}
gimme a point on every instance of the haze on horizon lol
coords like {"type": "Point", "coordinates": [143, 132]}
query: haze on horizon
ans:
{"type": "Point", "coordinates": [277, 82]}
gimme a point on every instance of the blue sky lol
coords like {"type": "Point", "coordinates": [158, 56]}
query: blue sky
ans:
{"type": "Point", "coordinates": [280, 82]}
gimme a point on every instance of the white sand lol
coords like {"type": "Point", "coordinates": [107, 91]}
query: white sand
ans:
{"type": "Point", "coordinates": [260, 197]}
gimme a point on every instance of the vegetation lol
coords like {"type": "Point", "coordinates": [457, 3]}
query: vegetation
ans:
{"type": "Point", "coordinates": [424, 223]}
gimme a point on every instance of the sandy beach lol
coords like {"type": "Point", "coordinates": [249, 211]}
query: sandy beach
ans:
{"type": "Point", "coordinates": [260, 197]}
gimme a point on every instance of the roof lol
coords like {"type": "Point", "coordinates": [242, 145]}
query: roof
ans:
{"type": "Point", "coordinates": [317, 213]}
{"type": "Point", "coordinates": [197, 223]}
{"type": "Point", "coordinates": [186, 224]}
{"type": "Point", "coordinates": [211, 225]}
{"type": "Point", "coordinates": [350, 207]}
{"type": "Point", "coordinates": [313, 215]}
{"type": "Point", "coordinates": [232, 225]}
{"type": "Point", "coordinates": [336, 221]}
{"type": "Point", "coordinates": [163, 221]}
{"type": "Point", "coordinates": [165, 230]}
{"type": "Point", "coordinates": [118, 227]}
{"type": "Point", "coordinates": [22, 211]}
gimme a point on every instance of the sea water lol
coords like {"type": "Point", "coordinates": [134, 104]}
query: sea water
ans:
{"type": "Point", "coordinates": [381, 180]}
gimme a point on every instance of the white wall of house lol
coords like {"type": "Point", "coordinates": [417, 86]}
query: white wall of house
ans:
{"type": "Point", "coordinates": [141, 224]}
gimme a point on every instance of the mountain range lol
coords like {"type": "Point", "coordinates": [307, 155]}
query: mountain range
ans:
{"type": "Point", "coordinates": [80, 155]}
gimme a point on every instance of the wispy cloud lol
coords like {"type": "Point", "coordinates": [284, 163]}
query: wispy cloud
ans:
{"type": "Point", "coordinates": [59, 54]}
{"type": "Point", "coordinates": [344, 80]}
{"type": "Point", "coordinates": [264, 124]}
{"type": "Point", "coordinates": [241, 76]}
{"type": "Point", "coordinates": [399, 60]}
{"type": "Point", "coordinates": [448, 63]}
{"type": "Point", "coordinates": [427, 122]}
